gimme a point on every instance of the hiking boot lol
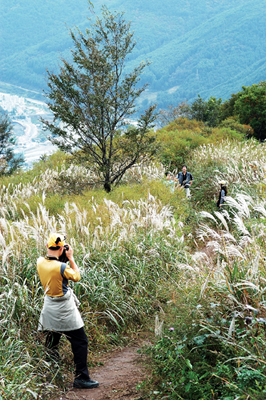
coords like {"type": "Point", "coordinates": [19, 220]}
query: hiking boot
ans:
{"type": "Point", "coordinates": [85, 384]}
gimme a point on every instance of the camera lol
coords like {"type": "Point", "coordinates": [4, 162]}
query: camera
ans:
{"type": "Point", "coordinates": [63, 258]}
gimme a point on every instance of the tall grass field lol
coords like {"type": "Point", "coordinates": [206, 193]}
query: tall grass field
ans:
{"type": "Point", "coordinates": [126, 244]}
{"type": "Point", "coordinates": [146, 253]}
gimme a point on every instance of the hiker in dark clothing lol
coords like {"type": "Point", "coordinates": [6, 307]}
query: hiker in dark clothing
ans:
{"type": "Point", "coordinates": [222, 194]}
{"type": "Point", "coordinates": [185, 179]}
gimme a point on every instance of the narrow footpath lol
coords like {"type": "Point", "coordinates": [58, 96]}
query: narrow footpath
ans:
{"type": "Point", "coordinates": [118, 378]}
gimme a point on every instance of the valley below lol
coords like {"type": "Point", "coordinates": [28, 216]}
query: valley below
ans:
{"type": "Point", "coordinates": [25, 114]}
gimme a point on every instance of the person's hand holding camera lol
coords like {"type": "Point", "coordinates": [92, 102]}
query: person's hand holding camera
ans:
{"type": "Point", "coordinates": [69, 252]}
{"type": "Point", "coordinates": [70, 256]}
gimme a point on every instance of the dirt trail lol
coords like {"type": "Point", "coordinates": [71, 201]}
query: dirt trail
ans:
{"type": "Point", "coordinates": [118, 378]}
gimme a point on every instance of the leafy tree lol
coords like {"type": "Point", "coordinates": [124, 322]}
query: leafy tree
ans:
{"type": "Point", "coordinates": [250, 107]}
{"type": "Point", "coordinates": [93, 97]}
{"type": "Point", "coordinates": [207, 111]}
{"type": "Point", "coordinates": [9, 162]}
{"type": "Point", "coordinates": [165, 116]}
{"type": "Point", "coordinates": [228, 107]}
{"type": "Point", "coordinates": [245, 130]}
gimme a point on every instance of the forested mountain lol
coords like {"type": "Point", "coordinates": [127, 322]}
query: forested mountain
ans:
{"type": "Point", "coordinates": [208, 47]}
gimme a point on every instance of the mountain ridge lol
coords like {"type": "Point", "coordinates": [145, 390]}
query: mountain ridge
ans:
{"type": "Point", "coordinates": [211, 48]}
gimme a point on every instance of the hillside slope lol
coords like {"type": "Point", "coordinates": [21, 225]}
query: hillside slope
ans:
{"type": "Point", "coordinates": [208, 47]}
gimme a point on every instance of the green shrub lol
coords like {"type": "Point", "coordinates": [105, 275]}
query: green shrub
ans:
{"type": "Point", "coordinates": [202, 362]}
{"type": "Point", "coordinates": [177, 146]}
{"type": "Point", "coordinates": [234, 125]}
{"type": "Point", "coordinates": [181, 137]}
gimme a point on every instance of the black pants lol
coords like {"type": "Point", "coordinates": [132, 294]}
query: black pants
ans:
{"type": "Point", "coordinates": [79, 345]}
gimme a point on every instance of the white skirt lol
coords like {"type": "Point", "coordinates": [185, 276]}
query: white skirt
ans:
{"type": "Point", "coordinates": [60, 313]}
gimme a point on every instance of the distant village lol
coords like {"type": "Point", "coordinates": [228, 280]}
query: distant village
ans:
{"type": "Point", "coordinates": [25, 114]}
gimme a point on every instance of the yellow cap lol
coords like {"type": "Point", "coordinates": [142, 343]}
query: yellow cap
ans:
{"type": "Point", "coordinates": [56, 240]}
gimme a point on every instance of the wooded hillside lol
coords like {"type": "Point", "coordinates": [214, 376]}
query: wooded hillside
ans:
{"type": "Point", "coordinates": [208, 47]}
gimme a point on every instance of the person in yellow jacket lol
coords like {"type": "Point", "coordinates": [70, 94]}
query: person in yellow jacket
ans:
{"type": "Point", "coordinates": [60, 314]}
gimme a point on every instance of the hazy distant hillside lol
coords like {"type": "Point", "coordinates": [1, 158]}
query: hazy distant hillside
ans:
{"type": "Point", "coordinates": [207, 47]}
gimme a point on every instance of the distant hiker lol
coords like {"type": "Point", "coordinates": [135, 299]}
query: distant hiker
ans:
{"type": "Point", "coordinates": [60, 314]}
{"type": "Point", "coordinates": [222, 194]}
{"type": "Point", "coordinates": [170, 181]}
{"type": "Point", "coordinates": [185, 179]}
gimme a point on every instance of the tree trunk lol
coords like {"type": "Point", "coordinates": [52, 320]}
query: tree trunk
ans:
{"type": "Point", "coordinates": [107, 187]}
